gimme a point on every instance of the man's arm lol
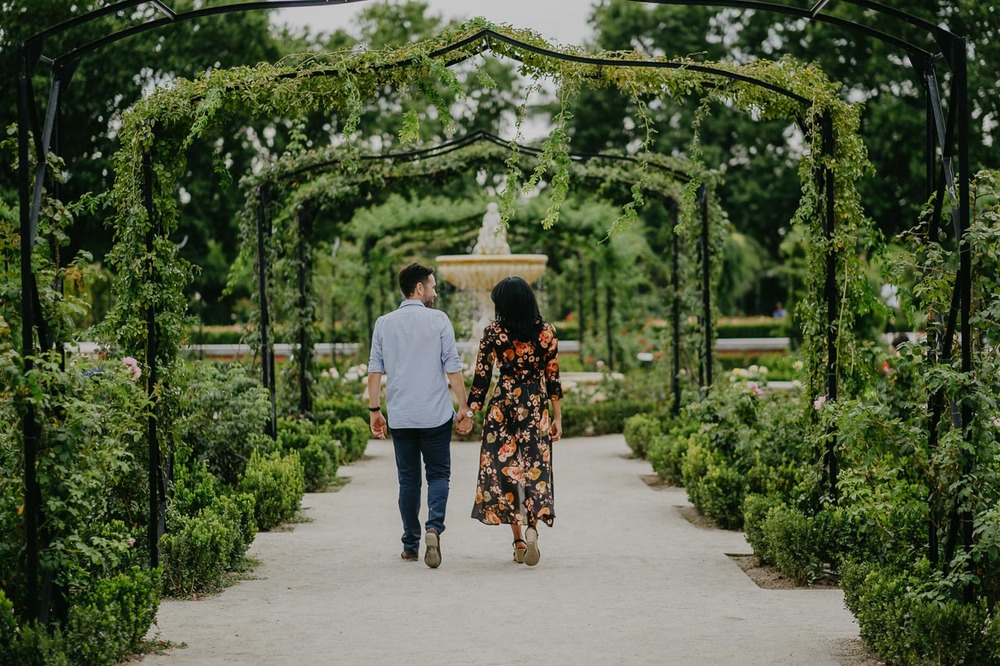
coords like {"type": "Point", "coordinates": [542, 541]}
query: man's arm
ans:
{"type": "Point", "coordinates": [375, 419]}
{"type": "Point", "coordinates": [457, 383]}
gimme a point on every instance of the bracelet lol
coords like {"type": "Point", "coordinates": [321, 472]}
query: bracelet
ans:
{"type": "Point", "coordinates": [374, 409]}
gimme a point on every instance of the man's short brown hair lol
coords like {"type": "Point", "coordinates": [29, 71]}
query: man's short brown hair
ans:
{"type": "Point", "coordinates": [413, 275]}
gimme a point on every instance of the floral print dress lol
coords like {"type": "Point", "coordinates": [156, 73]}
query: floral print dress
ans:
{"type": "Point", "coordinates": [515, 462]}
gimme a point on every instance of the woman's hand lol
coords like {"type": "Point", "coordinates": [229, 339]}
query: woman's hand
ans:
{"type": "Point", "coordinates": [555, 430]}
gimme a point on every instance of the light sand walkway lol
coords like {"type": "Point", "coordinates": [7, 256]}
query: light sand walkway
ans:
{"type": "Point", "coordinates": [624, 579]}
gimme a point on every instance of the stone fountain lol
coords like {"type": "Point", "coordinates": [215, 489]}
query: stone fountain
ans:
{"type": "Point", "coordinates": [490, 262]}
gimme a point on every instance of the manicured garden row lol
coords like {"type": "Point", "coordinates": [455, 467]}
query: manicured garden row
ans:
{"type": "Point", "coordinates": [751, 458]}
{"type": "Point", "coordinates": [226, 481]}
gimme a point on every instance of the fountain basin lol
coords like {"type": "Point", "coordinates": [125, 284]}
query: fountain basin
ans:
{"type": "Point", "coordinates": [480, 272]}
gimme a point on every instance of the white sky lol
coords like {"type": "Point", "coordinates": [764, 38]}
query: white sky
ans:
{"type": "Point", "coordinates": [559, 21]}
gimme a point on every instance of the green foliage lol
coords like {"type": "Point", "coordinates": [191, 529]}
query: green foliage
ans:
{"type": "Point", "coordinates": [317, 446]}
{"type": "Point", "coordinates": [600, 418]}
{"type": "Point", "coordinates": [223, 413]}
{"type": "Point", "coordinates": [752, 327]}
{"type": "Point", "coordinates": [640, 431]}
{"type": "Point", "coordinates": [201, 547]}
{"type": "Point", "coordinates": [353, 434]}
{"type": "Point", "coordinates": [667, 452]}
{"type": "Point", "coordinates": [106, 622]}
{"type": "Point", "coordinates": [755, 512]}
{"type": "Point", "coordinates": [276, 483]}
{"type": "Point", "coordinates": [112, 619]}
{"type": "Point", "coordinates": [721, 489]}
{"type": "Point", "coordinates": [912, 616]}
{"type": "Point", "coordinates": [792, 543]}
{"type": "Point", "coordinates": [336, 410]}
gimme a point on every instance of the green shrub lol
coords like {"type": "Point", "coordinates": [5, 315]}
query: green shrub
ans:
{"type": "Point", "coordinates": [753, 327]}
{"type": "Point", "coordinates": [105, 623]}
{"type": "Point", "coordinates": [110, 620]}
{"type": "Point", "coordinates": [223, 413]}
{"type": "Point", "coordinates": [237, 510]}
{"type": "Point", "coordinates": [8, 630]}
{"type": "Point", "coordinates": [755, 510]}
{"type": "Point", "coordinates": [721, 494]}
{"type": "Point", "coordinates": [667, 452]}
{"type": "Point", "coordinates": [337, 409]}
{"type": "Point", "coordinates": [639, 431]}
{"type": "Point", "coordinates": [353, 434]}
{"type": "Point", "coordinates": [914, 616]}
{"type": "Point", "coordinates": [600, 418]}
{"type": "Point", "coordinates": [318, 449]}
{"type": "Point", "coordinates": [694, 467]}
{"type": "Point", "coordinates": [216, 335]}
{"type": "Point", "coordinates": [319, 465]}
{"type": "Point", "coordinates": [194, 489]}
{"type": "Point", "coordinates": [195, 553]}
{"type": "Point", "coordinates": [203, 545]}
{"type": "Point", "coordinates": [793, 543]}
{"type": "Point", "coordinates": [658, 456]}
{"type": "Point", "coordinates": [276, 483]}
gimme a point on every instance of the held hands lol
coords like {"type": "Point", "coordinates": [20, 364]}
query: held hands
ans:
{"type": "Point", "coordinates": [463, 424]}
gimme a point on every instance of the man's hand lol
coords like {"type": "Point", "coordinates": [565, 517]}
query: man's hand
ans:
{"type": "Point", "coordinates": [378, 425]}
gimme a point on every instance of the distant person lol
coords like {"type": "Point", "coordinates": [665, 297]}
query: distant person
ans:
{"type": "Point", "coordinates": [515, 462]}
{"type": "Point", "coordinates": [779, 311]}
{"type": "Point", "coordinates": [414, 346]}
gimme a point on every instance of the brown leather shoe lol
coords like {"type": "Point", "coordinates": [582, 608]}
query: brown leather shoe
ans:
{"type": "Point", "coordinates": [432, 556]}
{"type": "Point", "coordinates": [409, 557]}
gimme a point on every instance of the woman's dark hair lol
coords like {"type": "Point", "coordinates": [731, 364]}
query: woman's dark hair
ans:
{"type": "Point", "coordinates": [413, 275]}
{"type": "Point", "coordinates": [517, 309]}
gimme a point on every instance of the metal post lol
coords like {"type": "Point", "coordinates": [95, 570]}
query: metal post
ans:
{"type": "Point", "coordinates": [153, 528]}
{"type": "Point", "coordinates": [266, 343]}
{"type": "Point", "coordinates": [675, 307]}
{"type": "Point", "coordinates": [305, 232]}
{"type": "Point", "coordinates": [581, 304]}
{"type": "Point", "coordinates": [829, 190]}
{"type": "Point", "coordinates": [960, 83]}
{"type": "Point", "coordinates": [609, 325]}
{"type": "Point", "coordinates": [366, 255]}
{"type": "Point", "coordinates": [706, 282]}
{"type": "Point", "coordinates": [29, 419]}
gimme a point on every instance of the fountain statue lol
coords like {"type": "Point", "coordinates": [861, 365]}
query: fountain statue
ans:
{"type": "Point", "coordinates": [490, 262]}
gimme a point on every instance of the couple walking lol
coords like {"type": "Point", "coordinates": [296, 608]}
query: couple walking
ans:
{"type": "Point", "coordinates": [414, 346]}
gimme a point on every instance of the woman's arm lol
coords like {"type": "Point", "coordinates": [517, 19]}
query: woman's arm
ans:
{"type": "Point", "coordinates": [482, 374]}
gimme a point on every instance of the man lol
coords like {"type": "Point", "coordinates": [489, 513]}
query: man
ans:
{"type": "Point", "coordinates": [414, 346]}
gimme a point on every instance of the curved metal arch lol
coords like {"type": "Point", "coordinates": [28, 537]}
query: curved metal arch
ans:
{"type": "Point", "coordinates": [816, 14]}
{"type": "Point", "coordinates": [172, 15]}
{"type": "Point", "coordinates": [473, 138]}
{"type": "Point", "coordinates": [262, 193]}
{"type": "Point", "coordinates": [484, 36]}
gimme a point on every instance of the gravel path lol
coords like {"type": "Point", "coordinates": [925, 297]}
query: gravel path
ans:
{"type": "Point", "coordinates": [624, 579]}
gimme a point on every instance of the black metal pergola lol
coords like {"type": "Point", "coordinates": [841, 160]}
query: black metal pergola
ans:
{"type": "Point", "coordinates": [945, 132]}
{"type": "Point", "coordinates": [307, 211]}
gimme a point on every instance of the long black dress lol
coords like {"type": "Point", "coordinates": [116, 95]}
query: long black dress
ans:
{"type": "Point", "coordinates": [515, 463]}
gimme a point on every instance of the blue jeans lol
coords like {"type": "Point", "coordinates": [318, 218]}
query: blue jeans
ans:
{"type": "Point", "coordinates": [434, 445]}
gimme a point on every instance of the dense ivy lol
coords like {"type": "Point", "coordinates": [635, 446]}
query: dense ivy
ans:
{"type": "Point", "coordinates": [168, 122]}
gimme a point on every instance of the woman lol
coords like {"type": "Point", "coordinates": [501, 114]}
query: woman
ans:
{"type": "Point", "coordinates": [515, 463]}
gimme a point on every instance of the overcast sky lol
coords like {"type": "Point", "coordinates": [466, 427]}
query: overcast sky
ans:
{"type": "Point", "coordinates": [559, 21]}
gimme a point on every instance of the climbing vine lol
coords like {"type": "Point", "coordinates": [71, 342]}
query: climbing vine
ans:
{"type": "Point", "coordinates": [329, 180]}
{"type": "Point", "coordinates": [170, 121]}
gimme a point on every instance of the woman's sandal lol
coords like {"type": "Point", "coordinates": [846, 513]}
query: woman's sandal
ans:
{"type": "Point", "coordinates": [531, 552]}
{"type": "Point", "coordinates": [519, 552]}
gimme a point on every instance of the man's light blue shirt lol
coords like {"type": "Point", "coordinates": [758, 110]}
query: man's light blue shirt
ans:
{"type": "Point", "coordinates": [414, 346]}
